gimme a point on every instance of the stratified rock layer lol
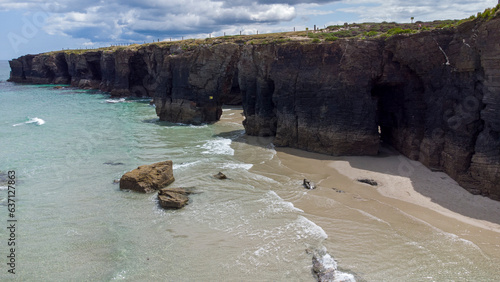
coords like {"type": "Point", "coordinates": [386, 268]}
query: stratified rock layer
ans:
{"type": "Point", "coordinates": [148, 178]}
{"type": "Point", "coordinates": [173, 198]}
{"type": "Point", "coordinates": [434, 96]}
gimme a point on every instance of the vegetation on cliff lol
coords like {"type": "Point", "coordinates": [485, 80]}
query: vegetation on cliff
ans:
{"type": "Point", "coordinates": [325, 35]}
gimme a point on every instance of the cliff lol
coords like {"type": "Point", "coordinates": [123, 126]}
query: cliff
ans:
{"type": "Point", "coordinates": [434, 96]}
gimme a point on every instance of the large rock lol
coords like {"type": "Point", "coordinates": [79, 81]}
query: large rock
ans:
{"type": "Point", "coordinates": [148, 178]}
{"type": "Point", "coordinates": [173, 198]}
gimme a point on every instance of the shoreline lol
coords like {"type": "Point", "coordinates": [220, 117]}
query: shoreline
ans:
{"type": "Point", "coordinates": [408, 187]}
{"type": "Point", "coordinates": [430, 196]}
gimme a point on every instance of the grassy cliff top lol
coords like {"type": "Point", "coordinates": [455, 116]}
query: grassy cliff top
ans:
{"type": "Point", "coordinates": [329, 34]}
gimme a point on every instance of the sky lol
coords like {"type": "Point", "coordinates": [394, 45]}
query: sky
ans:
{"type": "Point", "coordinates": [34, 26]}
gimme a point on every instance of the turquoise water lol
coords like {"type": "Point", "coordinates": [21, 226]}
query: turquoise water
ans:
{"type": "Point", "coordinates": [67, 146]}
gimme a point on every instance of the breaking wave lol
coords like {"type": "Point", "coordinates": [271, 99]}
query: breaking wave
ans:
{"type": "Point", "coordinates": [35, 120]}
{"type": "Point", "coordinates": [219, 146]}
{"type": "Point", "coordinates": [114, 101]}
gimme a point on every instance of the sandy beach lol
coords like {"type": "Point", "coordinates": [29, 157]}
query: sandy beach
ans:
{"type": "Point", "coordinates": [404, 185]}
{"type": "Point", "coordinates": [414, 218]}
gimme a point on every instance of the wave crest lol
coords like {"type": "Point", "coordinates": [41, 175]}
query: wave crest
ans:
{"type": "Point", "coordinates": [35, 120]}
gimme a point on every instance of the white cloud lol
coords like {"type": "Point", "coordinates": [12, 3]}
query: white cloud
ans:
{"type": "Point", "coordinates": [142, 19]}
{"type": "Point", "coordinates": [424, 10]}
{"type": "Point", "coordinates": [138, 20]}
{"type": "Point", "coordinates": [273, 13]}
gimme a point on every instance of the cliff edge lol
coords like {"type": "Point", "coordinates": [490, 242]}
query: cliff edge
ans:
{"type": "Point", "coordinates": [434, 96]}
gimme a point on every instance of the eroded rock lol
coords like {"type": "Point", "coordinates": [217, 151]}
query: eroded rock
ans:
{"type": "Point", "coordinates": [308, 184]}
{"type": "Point", "coordinates": [173, 198]}
{"type": "Point", "coordinates": [220, 175]}
{"type": "Point", "coordinates": [325, 268]}
{"type": "Point", "coordinates": [148, 178]}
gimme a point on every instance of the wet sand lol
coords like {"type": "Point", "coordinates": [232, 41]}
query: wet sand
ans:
{"type": "Point", "coordinates": [408, 186]}
{"type": "Point", "coordinates": [416, 224]}
{"type": "Point", "coordinates": [404, 185]}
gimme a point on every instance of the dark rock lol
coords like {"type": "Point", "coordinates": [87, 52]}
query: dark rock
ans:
{"type": "Point", "coordinates": [434, 95]}
{"type": "Point", "coordinates": [173, 198]}
{"type": "Point", "coordinates": [308, 184]}
{"type": "Point", "coordinates": [325, 268]}
{"type": "Point", "coordinates": [148, 178]}
{"type": "Point", "coordinates": [113, 163]}
{"type": "Point", "coordinates": [368, 181]}
{"type": "Point", "coordinates": [220, 175]}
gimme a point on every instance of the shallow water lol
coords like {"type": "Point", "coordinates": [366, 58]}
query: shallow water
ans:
{"type": "Point", "coordinates": [68, 145]}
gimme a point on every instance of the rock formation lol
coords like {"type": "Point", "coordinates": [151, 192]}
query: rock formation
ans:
{"type": "Point", "coordinates": [434, 96]}
{"type": "Point", "coordinates": [325, 268]}
{"type": "Point", "coordinates": [370, 182]}
{"type": "Point", "coordinates": [173, 198]}
{"type": "Point", "coordinates": [148, 178]}
{"type": "Point", "coordinates": [308, 184]}
{"type": "Point", "coordinates": [220, 175]}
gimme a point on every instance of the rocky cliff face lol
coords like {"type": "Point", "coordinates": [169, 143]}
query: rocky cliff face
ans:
{"type": "Point", "coordinates": [188, 86]}
{"type": "Point", "coordinates": [434, 96]}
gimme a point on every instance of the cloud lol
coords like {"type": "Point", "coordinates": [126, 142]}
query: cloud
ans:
{"type": "Point", "coordinates": [424, 10]}
{"type": "Point", "coordinates": [141, 20]}
{"type": "Point", "coordinates": [138, 20]}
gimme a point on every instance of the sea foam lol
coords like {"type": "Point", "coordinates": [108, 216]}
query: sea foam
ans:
{"type": "Point", "coordinates": [310, 229]}
{"type": "Point", "coordinates": [114, 101]}
{"type": "Point", "coordinates": [35, 120]}
{"type": "Point", "coordinates": [183, 165]}
{"type": "Point", "coordinates": [276, 204]}
{"type": "Point", "coordinates": [237, 166]}
{"type": "Point", "coordinates": [220, 146]}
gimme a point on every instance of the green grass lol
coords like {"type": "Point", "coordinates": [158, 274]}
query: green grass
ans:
{"type": "Point", "coordinates": [489, 13]}
{"type": "Point", "coordinates": [371, 33]}
{"type": "Point", "coordinates": [398, 30]}
{"type": "Point", "coordinates": [331, 38]}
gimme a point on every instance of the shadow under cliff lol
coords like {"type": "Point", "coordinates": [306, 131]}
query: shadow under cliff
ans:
{"type": "Point", "coordinates": [428, 183]}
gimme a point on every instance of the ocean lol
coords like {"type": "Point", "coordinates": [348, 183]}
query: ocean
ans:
{"type": "Point", "coordinates": [67, 146]}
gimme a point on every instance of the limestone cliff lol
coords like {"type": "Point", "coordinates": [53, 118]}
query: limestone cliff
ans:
{"type": "Point", "coordinates": [434, 96]}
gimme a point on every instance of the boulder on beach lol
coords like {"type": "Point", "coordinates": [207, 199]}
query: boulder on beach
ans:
{"type": "Point", "coordinates": [220, 175]}
{"type": "Point", "coordinates": [308, 184]}
{"type": "Point", "coordinates": [173, 198]}
{"type": "Point", "coordinates": [148, 178]}
{"type": "Point", "coordinates": [368, 181]}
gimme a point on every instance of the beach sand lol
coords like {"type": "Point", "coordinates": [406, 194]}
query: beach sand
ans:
{"type": "Point", "coordinates": [405, 185]}
{"type": "Point", "coordinates": [415, 224]}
